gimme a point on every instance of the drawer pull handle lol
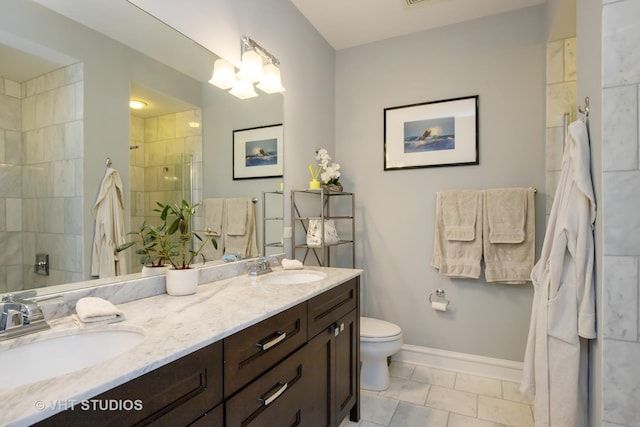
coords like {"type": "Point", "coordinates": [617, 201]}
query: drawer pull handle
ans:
{"type": "Point", "coordinates": [271, 343]}
{"type": "Point", "coordinates": [274, 396]}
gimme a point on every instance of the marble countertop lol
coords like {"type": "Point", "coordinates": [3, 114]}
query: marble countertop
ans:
{"type": "Point", "coordinates": [173, 327]}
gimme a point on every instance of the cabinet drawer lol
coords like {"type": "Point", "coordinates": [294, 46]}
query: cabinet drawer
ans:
{"type": "Point", "coordinates": [274, 399]}
{"type": "Point", "coordinates": [175, 394]}
{"type": "Point", "coordinates": [250, 352]}
{"type": "Point", "coordinates": [326, 308]}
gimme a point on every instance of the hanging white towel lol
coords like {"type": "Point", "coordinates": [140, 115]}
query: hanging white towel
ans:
{"type": "Point", "coordinates": [108, 212]}
{"type": "Point", "coordinates": [509, 234]}
{"type": "Point", "coordinates": [563, 312]}
{"type": "Point", "coordinates": [457, 248]}
{"type": "Point", "coordinates": [213, 212]}
{"type": "Point", "coordinates": [237, 216]}
{"type": "Point", "coordinates": [244, 245]}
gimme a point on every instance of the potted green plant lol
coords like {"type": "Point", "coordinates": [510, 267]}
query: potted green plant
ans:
{"type": "Point", "coordinates": [147, 238]}
{"type": "Point", "coordinates": [175, 246]}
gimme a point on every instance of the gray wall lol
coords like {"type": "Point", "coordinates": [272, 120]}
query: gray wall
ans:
{"type": "Point", "coordinates": [500, 58]}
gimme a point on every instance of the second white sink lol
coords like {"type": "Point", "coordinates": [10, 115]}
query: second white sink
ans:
{"type": "Point", "coordinates": [292, 277]}
{"type": "Point", "coordinates": [54, 354]}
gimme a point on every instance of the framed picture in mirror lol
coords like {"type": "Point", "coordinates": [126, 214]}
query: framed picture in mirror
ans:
{"type": "Point", "coordinates": [258, 152]}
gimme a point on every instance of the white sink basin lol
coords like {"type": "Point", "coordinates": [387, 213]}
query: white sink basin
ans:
{"type": "Point", "coordinates": [292, 277]}
{"type": "Point", "coordinates": [55, 355]}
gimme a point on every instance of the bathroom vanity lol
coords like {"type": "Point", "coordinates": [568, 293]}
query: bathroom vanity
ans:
{"type": "Point", "coordinates": [241, 351]}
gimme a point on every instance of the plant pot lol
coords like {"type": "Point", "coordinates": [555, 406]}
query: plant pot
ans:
{"type": "Point", "coordinates": [149, 270]}
{"type": "Point", "coordinates": [332, 187]}
{"type": "Point", "coordinates": [182, 282]}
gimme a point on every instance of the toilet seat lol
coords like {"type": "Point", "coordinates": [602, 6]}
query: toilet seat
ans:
{"type": "Point", "coordinates": [376, 330]}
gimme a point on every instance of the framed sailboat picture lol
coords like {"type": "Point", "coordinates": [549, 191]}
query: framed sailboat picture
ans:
{"type": "Point", "coordinates": [429, 134]}
{"type": "Point", "coordinates": [258, 152]}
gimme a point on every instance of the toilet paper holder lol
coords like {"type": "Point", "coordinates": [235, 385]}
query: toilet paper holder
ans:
{"type": "Point", "coordinates": [439, 293]}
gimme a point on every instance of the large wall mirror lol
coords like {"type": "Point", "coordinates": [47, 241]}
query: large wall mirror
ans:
{"type": "Point", "coordinates": [64, 94]}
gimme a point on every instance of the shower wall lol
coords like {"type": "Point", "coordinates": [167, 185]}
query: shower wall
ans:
{"type": "Point", "coordinates": [41, 178]}
{"type": "Point", "coordinates": [165, 165]}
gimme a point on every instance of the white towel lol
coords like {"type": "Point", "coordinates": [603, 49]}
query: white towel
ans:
{"type": "Point", "coordinates": [92, 309]}
{"type": "Point", "coordinates": [291, 264]}
{"type": "Point", "coordinates": [506, 214]}
{"type": "Point", "coordinates": [507, 258]}
{"type": "Point", "coordinates": [213, 213]}
{"type": "Point", "coordinates": [237, 217]}
{"type": "Point", "coordinates": [244, 245]}
{"type": "Point", "coordinates": [458, 254]}
{"type": "Point", "coordinates": [459, 211]}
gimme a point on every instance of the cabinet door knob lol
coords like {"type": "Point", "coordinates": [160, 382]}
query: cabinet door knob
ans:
{"type": "Point", "coordinates": [336, 330]}
{"type": "Point", "coordinates": [267, 400]}
{"type": "Point", "coordinates": [267, 345]}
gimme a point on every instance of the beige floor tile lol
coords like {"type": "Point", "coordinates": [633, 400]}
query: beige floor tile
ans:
{"type": "Point", "coordinates": [377, 409]}
{"type": "Point", "coordinates": [434, 376]}
{"type": "Point", "coordinates": [407, 390]}
{"type": "Point", "coordinates": [447, 399]}
{"type": "Point", "coordinates": [409, 415]}
{"type": "Point", "coordinates": [401, 370]}
{"type": "Point", "coordinates": [505, 412]}
{"type": "Point", "coordinates": [511, 391]}
{"type": "Point", "coordinates": [457, 420]}
{"type": "Point", "coordinates": [480, 385]}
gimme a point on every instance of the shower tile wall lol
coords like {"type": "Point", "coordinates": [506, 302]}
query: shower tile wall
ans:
{"type": "Point", "coordinates": [163, 143]}
{"type": "Point", "coordinates": [561, 99]}
{"type": "Point", "coordinates": [621, 222]}
{"type": "Point", "coordinates": [41, 174]}
{"type": "Point", "coordinates": [11, 187]}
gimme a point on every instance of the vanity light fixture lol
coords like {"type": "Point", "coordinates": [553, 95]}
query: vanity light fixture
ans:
{"type": "Point", "coordinates": [136, 104]}
{"type": "Point", "coordinates": [224, 74]}
{"type": "Point", "coordinates": [258, 65]}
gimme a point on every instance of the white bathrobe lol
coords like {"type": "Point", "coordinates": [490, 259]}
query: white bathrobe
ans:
{"type": "Point", "coordinates": [563, 311]}
{"type": "Point", "coordinates": [108, 212]}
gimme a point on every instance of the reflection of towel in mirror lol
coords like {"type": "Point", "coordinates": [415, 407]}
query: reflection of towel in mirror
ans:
{"type": "Point", "coordinates": [245, 245]}
{"type": "Point", "coordinates": [509, 234]}
{"type": "Point", "coordinates": [92, 309]}
{"type": "Point", "coordinates": [213, 212]}
{"type": "Point", "coordinates": [457, 248]}
{"type": "Point", "coordinates": [108, 212]}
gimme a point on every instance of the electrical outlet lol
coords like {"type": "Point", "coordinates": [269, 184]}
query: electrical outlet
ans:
{"type": "Point", "coordinates": [287, 232]}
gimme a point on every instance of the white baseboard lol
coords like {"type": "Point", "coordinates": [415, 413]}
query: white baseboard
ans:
{"type": "Point", "coordinates": [507, 370]}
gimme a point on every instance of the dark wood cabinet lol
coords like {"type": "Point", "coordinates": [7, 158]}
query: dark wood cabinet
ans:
{"type": "Point", "coordinates": [176, 394]}
{"type": "Point", "coordinates": [296, 368]}
{"type": "Point", "coordinates": [334, 356]}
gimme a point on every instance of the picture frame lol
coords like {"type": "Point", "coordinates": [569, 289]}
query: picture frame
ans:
{"type": "Point", "coordinates": [432, 134]}
{"type": "Point", "coordinates": [258, 152]}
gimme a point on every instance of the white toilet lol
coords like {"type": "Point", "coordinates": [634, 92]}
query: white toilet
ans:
{"type": "Point", "coordinates": [378, 340]}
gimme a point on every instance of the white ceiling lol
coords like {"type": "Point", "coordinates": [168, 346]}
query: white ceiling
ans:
{"type": "Point", "coordinates": [348, 23]}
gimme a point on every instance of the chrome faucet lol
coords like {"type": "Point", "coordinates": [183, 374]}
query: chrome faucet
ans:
{"type": "Point", "coordinates": [20, 317]}
{"type": "Point", "coordinates": [261, 266]}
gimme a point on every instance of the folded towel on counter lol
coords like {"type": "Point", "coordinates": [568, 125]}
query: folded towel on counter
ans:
{"type": "Point", "coordinates": [457, 250]}
{"type": "Point", "coordinates": [92, 309]}
{"type": "Point", "coordinates": [459, 212]}
{"type": "Point", "coordinates": [509, 256]}
{"type": "Point", "coordinates": [506, 214]}
{"type": "Point", "coordinates": [291, 264]}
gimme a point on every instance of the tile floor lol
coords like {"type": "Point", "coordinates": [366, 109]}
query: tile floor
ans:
{"type": "Point", "coordinates": [420, 396]}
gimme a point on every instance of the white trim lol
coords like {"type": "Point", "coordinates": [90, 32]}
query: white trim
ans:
{"type": "Point", "coordinates": [507, 370]}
